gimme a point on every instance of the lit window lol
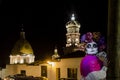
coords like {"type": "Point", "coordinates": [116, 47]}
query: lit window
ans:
{"type": "Point", "coordinates": [69, 40]}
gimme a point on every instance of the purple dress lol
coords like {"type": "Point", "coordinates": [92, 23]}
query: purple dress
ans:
{"type": "Point", "coordinates": [90, 63]}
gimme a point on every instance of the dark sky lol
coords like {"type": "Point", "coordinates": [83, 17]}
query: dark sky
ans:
{"type": "Point", "coordinates": [44, 23]}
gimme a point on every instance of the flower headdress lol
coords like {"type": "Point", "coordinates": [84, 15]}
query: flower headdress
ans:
{"type": "Point", "coordinates": [96, 37]}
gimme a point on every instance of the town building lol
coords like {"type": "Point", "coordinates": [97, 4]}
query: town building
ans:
{"type": "Point", "coordinates": [59, 67]}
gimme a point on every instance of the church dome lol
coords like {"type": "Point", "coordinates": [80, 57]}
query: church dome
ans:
{"type": "Point", "coordinates": [72, 22]}
{"type": "Point", "coordinates": [22, 46]}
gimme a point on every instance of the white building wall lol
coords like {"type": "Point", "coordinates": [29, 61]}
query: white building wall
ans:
{"type": "Point", "coordinates": [50, 72]}
{"type": "Point", "coordinates": [63, 65]}
{"type": "Point", "coordinates": [18, 59]}
{"type": "Point", "coordinates": [3, 73]}
{"type": "Point", "coordinates": [11, 69]}
{"type": "Point", "coordinates": [35, 71]}
{"type": "Point", "coordinates": [16, 69]}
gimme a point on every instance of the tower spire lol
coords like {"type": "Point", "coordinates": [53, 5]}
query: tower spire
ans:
{"type": "Point", "coordinates": [22, 29]}
{"type": "Point", "coordinates": [22, 33]}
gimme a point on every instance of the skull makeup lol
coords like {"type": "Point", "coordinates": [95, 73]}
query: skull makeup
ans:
{"type": "Point", "coordinates": [91, 48]}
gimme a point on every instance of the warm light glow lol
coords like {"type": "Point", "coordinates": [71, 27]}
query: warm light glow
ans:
{"type": "Point", "coordinates": [18, 55]}
{"type": "Point", "coordinates": [55, 50]}
{"type": "Point", "coordinates": [69, 40]}
{"type": "Point", "coordinates": [76, 44]}
{"type": "Point", "coordinates": [21, 61]}
{"type": "Point", "coordinates": [15, 61]}
{"type": "Point", "coordinates": [77, 39]}
{"type": "Point", "coordinates": [10, 55]}
{"type": "Point", "coordinates": [51, 63]}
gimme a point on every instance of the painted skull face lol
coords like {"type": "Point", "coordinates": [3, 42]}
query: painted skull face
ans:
{"type": "Point", "coordinates": [91, 48]}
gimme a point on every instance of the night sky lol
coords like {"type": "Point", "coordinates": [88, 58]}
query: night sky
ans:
{"type": "Point", "coordinates": [44, 23]}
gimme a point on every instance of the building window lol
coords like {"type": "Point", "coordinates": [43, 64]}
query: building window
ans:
{"type": "Point", "coordinates": [23, 72]}
{"type": "Point", "coordinates": [57, 73]}
{"type": "Point", "coordinates": [44, 71]}
{"type": "Point", "coordinates": [72, 73]}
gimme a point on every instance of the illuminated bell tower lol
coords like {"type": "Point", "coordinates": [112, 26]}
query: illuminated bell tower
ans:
{"type": "Point", "coordinates": [72, 35]}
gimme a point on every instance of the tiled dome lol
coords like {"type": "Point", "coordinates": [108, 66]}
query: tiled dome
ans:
{"type": "Point", "coordinates": [22, 46]}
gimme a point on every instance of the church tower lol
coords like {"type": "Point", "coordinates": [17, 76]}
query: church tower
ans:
{"type": "Point", "coordinates": [73, 35]}
{"type": "Point", "coordinates": [22, 51]}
